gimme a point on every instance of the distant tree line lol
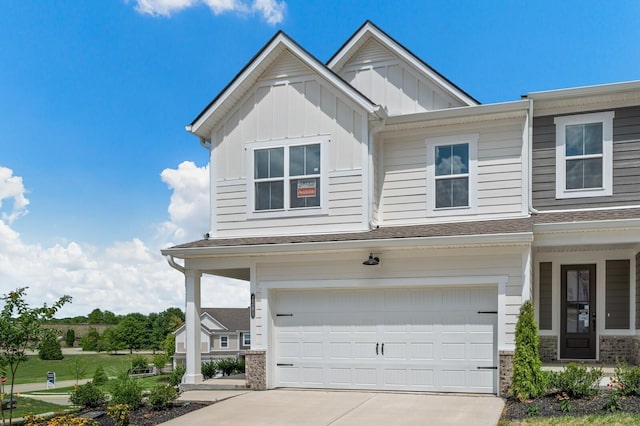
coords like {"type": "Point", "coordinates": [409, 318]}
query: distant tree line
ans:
{"type": "Point", "coordinates": [131, 332]}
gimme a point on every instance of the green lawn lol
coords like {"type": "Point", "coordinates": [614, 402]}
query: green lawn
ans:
{"type": "Point", "coordinates": [34, 370]}
{"type": "Point", "coordinates": [32, 406]}
{"type": "Point", "coordinates": [146, 383]}
{"type": "Point", "coordinates": [621, 419]}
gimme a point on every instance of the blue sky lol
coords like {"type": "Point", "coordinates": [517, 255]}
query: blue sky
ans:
{"type": "Point", "coordinates": [97, 172]}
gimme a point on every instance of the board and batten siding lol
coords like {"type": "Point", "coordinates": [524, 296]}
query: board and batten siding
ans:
{"type": "Point", "coordinates": [626, 164]}
{"type": "Point", "coordinates": [417, 264]}
{"type": "Point", "coordinates": [499, 187]}
{"type": "Point", "coordinates": [390, 81]}
{"type": "Point", "coordinates": [287, 102]}
{"type": "Point", "coordinates": [618, 275]}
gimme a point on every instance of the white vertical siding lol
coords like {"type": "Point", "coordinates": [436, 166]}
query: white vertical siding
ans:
{"type": "Point", "coordinates": [390, 81]}
{"type": "Point", "coordinates": [499, 181]}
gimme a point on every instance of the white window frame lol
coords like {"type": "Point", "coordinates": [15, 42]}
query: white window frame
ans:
{"type": "Point", "coordinates": [287, 211]}
{"type": "Point", "coordinates": [606, 118]}
{"type": "Point", "coordinates": [226, 345]}
{"type": "Point", "coordinates": [472, 141]}
{"type": "Point", "coordinates": [244, 339]}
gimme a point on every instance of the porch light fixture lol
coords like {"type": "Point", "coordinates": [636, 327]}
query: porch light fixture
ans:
{"type": "Point", "coordinates": [371, 261]}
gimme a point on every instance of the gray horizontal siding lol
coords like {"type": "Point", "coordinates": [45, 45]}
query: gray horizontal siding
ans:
{"type": "Point", "coordinates": [638, 291]}
{"type": "Point", "coordinates": [626, 164]}
{"type": "Point", "coordinates": [617, 294]}
{"type": "Point", "coordinates": [546, 297]}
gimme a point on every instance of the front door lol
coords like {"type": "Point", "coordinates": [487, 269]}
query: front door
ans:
{"type": "Point", "coordinates": [578, 328]}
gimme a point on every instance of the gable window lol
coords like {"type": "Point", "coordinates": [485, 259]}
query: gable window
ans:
{"type": "Point", "coordinates": [224, 342]}
{"type": "Point", "coordinates": [451, 175]}
{"type": "Point", "coordinates": [246, 339]}
{"type": "Point", "coordinates": [584, 155]}
{"type": "Point", "coordinates": [288, 176]}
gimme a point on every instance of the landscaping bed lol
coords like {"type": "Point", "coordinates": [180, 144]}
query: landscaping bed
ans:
{"type": "Point", "coordinates": [552, 406]}
{"type": "Point", "coordinates": [145, 416]}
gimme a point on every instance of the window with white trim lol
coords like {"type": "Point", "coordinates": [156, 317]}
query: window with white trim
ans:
{"type": "Point", "coordinates": [246, 339]}
{"type": "Point", "coordinates": [224, 342]}
{"type": "Point", "coordinates": [451, 175]}
{"type": "Point", "coordinates": [288, 176]}
{"type": "Point", "coordinates": [584, 155]}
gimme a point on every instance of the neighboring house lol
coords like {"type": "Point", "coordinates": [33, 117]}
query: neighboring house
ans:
{"type": "Point", "coordinates": [224, 333]}
{"type": "Point", "coordinates": [388, 223]}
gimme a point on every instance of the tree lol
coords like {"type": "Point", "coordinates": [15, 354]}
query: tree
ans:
{"type": "Point", "coordinates": [170, 344]}
{"type": "Point", "coordinates": [133, 331]}
{"type": "Point", "coordinates": [110, 318]}
{"type": "Point", "coordinates": [91, 340]}
{"type": "Point", "coordinates": [111, 340]}
{"type": "Point", "coordinates": [70, 338]}
{"type": "Point", "coordinates": [49, 348]}
{"type": "Point", "coordinates": [528, 379]}
{"type": "Point", "coordinates": [95, 317]}
{"type": "Point", "coordinates": [21, 330]}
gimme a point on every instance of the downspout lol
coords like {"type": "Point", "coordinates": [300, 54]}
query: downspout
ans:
{"type": "Point", "coordinates": [171, 261]}
{"type": "Point", "coordinates": [376, 128]}
{"type": "Point", "coordinates": [532, 210]}
{"type": "Point", "coordinates": [205, 144]}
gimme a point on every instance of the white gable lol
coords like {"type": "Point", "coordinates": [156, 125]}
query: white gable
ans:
{"type": "Point", "coordinates": [286, 66]}
{"type": "Point", "coordinates": [210, 323]}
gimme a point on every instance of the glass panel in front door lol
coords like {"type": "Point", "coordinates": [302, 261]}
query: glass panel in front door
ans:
{"type": "Point", "coordinates": [578, 301]}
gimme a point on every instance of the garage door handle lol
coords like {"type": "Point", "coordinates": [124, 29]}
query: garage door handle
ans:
{"type": "Point", "coordinates": [377, 348]}
{"type": "Point", "coordinates": [487, 368]}
{"type": "Point", "coordinates": [383, 349]}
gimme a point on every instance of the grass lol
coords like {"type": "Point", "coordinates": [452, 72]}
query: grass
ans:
{"type": "Point", "coordinates": [32, 406]}
{"type": "Point", "coordinates": [34, 370]}
{"type": "Point", "coordinates": [146, 383]}
{"type": "Point", "coordinates": [621, 419]}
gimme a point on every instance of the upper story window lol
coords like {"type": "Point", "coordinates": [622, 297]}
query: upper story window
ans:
{"type": "Point", "coordinates": [584, 155]}
{"type": "Point", "coordinates": [246, 339]}
{"type": "Point", "coordinates": [451, 175]}
{"type": "Point", "coordinates": [224, 342]}
{"type": "Point", "coordinates": [289, 177]}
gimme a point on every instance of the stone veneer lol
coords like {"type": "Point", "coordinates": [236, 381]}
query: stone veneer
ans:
{"type": "Point", "coordinates": [506, 372]}
{"type": "Point", "coordinates": [256, 369]}
{"type": "Point", "coordinates": [548, 348]}
{"type": "Point", "coordinates": [617, 348]}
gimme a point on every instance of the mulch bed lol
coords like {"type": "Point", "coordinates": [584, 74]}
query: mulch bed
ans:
{"type": "Point", "coordinates": [549, 406]}
{"type": "Point", "coordinates": [145, 416]}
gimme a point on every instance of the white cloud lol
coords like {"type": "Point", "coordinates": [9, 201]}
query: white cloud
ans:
{"type": "Point", "coordinates": [272, 11]}
{"type": "Point", "coordinates": [126, 276]}
{"type": "Point", "coordinates": [11, 187]}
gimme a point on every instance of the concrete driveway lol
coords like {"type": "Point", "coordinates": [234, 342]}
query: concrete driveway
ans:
{"type": "Point", "coordinates": [284, 407]}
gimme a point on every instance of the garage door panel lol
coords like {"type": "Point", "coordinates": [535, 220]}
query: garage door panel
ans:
{"type": "Point", "coordinates": [434, 339]}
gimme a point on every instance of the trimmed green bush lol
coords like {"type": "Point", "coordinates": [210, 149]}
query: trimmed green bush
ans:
{"type": "Point", "coordinates": [227, 366]}
{"type": "Point", "coordinates": [88, 395]}
{"type": "Point", "coordinates": [529, 381]}
{"type": "Point", "coordinates": [70, 338]}
{"type": "Point", "coordinates": [100, 377]}
{"type": "Point", "coordinates": [160, 360]}
{"type": "Point", "coordinates": [126, 390]}
{"type": "Point", "coordinates": [627, 379]}
{"type": "Point", "coordinates": [175, 377]}
{"type": "Point", "coordinates": [240, 366]}
{"type": "Point", "coordinates": [49, 348]}
{"type": "Point", "coordinates": [208, 369]}
{"type": "Point", "coordinates": [162, 396]}
{"type": "Point", "coordinates": [139, 362]}
{"type": "Point", "coordinates": [577, 381]}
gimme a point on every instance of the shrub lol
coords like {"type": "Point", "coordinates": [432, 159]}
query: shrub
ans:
{"type": "Point", "coordinates": [161, 396]}
{"type": "Point", "coordinates": [613, 403]}
{"type": "Point", "coordinates": [208, 369]}
{"type": "Point", "coordinates": [240, 366]}
{"type": "Point", "coordinates": [139, 362]}
{"type": "Point", "coordinates": [528, 379]}
{"type": "Point", "coordinates": [577, 381]}
{"type": "Point", "coordinates": [49, 348]}
{"type": "Point", "coordinates": [66, 420]}
{"type": "Point", "coordinates": [160, 360]}
{"type": "Point", "coordinates": [175, 377]}
{"type": "Point", "coordinates": [70, 338]}
{"type": "Point", "coordinates": [227, 366]}
{"type": "Point", "coordinates": [88, 395]}
{"type": "Point", "coordinates": [627, 379]}
{"type": "Point", "coordinates": [119, 413]}
{"type": "Point", "coordinates": [126, 390]}
{"type": "Point", "coordinates": [100, 377]}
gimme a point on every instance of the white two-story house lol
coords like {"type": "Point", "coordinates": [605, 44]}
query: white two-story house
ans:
{"type": "Point", "coordinates": [385, 220]}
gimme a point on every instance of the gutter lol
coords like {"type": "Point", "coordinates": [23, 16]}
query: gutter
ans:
{"type": "Point", "coordinates": [171, 261]}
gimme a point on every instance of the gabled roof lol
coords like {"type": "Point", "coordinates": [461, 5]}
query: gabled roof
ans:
{"type": "Point", "coordinates": [207, 120]}
{"type": "Point", "coordinates": [233, 319]}
{"type": "Point", "coordinates": [370, 30]}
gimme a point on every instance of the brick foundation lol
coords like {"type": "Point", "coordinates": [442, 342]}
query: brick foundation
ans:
{"type": "Point", "coordinates": [618, 348]}
{"type": "Point", "coordinates": [256, 369]}
{"type": "Point", "coordinates": [548, 348]}
{"type": "Point", "coordinates": [506, 372]}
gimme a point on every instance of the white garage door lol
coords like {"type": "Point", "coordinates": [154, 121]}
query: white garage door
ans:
{"type": "Point", "coordinates": [433, 339]}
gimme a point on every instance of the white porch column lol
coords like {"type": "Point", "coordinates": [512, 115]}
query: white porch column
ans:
{"type": "Point", "coordinates": [192, 338]}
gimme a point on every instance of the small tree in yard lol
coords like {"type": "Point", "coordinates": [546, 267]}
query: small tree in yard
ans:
{"type": "Point", "coordinates": [70, 338]}
{"type": "Point", "coordinates": [21, 330]}
{"type": "Point", "coordinates": [49, 348]}
{"type": "Point", "coordinates": [528, 379]}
